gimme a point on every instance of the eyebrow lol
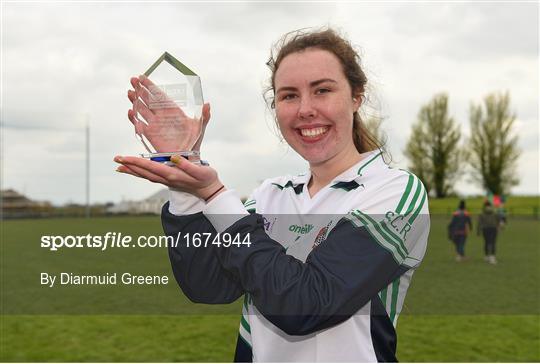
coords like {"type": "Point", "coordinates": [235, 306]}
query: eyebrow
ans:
{"type": "Point", "coordinates": [311, 84]}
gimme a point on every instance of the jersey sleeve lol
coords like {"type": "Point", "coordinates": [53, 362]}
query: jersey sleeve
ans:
{"type": "Point", "coordinates": [197, 271]}
{"type": "Point", "coordinates": [362, 255]}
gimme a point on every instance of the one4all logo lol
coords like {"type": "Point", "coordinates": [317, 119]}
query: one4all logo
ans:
{"type": "Point", "coordinates": [300, 230]}
{"type": "Point", "coordinates": [398, 223]}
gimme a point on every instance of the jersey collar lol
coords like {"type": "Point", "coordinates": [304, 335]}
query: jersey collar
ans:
{"type": "Point", "coordinates": [368, 162]}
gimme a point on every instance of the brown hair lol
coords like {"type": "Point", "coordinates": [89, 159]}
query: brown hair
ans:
{"type": "Point", "coordinates": [328, 40]}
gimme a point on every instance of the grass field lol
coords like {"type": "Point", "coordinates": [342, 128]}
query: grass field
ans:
{"type": "Point", "coordinates": [466, 311]}
{"type": "Point", "coordinates": [514, 205]}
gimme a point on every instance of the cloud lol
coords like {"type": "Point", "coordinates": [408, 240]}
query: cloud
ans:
{"type": "Point", "coordinates": [471, 31]}
{"type": "Point", "coordinates": [63, 61]}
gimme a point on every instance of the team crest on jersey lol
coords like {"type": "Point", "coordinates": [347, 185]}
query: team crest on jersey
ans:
{"type": "Point", "coordinates": [321, 236]}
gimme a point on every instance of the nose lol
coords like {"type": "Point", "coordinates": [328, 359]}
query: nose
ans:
{"type": "Point", "coordinates": [307, 109]}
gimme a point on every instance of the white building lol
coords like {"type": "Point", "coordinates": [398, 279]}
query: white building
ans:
{"type": "Point", "coordinates": [150, 205]}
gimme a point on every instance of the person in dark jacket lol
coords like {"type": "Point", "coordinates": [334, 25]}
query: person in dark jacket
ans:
{"type": "Point", "coordinates": [488, 225]}
{"type": "Point", "coordinates": [459, 228]}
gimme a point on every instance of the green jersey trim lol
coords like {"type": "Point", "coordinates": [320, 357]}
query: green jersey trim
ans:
{"type": "Point", "coordinates": [244, 324]}
{"type": "Point", "coordinates": [392, 239]}
{"type": "Point", "coordinates": [377, 234]}
{"type": "Point", "coordinates": [368, 162]}
{"type": "Point", "coordinates": [246, 341]}
{"type": "Point", "coordinates": [249, 203]}
{"type": "Point", "coordinates": [245, 329]}
{"type": "Point", "coordinates": [419, 208]}
{"type": "Point", "coordinates": [393, 302]}
{"type": "Point", "coordinates": [405, 194]}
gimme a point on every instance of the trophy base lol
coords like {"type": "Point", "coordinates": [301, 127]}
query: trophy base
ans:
{"type": "Point", "coordinates": [165, 158]}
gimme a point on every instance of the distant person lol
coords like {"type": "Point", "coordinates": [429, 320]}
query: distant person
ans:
{"type": "Point", "coordinates": [459, 228]}
{"type": "Point", "coordinates": [501, 213]}
{"type": "Point", "coordinates": [488, 224]}
{"type": "Point", "coordinates": [498, 204]}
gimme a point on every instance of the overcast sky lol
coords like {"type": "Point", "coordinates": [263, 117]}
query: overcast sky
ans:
{"type": "Point", "coordinates": [63, 63]}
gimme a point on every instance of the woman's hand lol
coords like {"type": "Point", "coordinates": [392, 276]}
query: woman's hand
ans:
{"type": "Point", "coordinates": [201, 181]}
{"type": "Point", "coordinates": [165, 125]}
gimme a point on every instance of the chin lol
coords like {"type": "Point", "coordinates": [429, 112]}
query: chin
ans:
{"type": "Point", "coordinates": [314, 158]}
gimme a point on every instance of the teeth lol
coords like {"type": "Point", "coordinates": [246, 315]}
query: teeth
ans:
{"type": "Point", "coordinates": [313, 132]}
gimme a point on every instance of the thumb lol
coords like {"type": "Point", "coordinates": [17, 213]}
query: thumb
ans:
{"type": "Point", "coordinates": [206, 113]}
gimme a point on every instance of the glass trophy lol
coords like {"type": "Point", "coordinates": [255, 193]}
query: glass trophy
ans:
{"type": "Point", "coordinates": [169, 116]}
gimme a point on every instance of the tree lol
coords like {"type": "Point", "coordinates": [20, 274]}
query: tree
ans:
{"type": "Point", "coordinates": [493, 146]}
{"type": "Point", "coordinates": [433, 149]}
{"type": "Point", "coordinates": [419, 162]}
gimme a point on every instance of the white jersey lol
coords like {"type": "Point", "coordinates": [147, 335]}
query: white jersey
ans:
{"type": "Point", "coordinates": [380, 192]}
{"type": "Point", "coordinates": [386, 211]}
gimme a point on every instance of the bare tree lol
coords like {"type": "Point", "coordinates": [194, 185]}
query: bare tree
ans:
{"type": "Point", "coordinates": [433, 149]}
{"type": "Point", "coordinates": [493, 146]}
{"type": "Point", "coordinates": [419, 163]}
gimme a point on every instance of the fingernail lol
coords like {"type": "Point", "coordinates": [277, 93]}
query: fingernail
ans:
{"type": "Point", "coordinates": [119, 170]}
{"type": "Point", "coordinates": [118, 159]}
{"type": "Point", "coordinates": [176, 159]}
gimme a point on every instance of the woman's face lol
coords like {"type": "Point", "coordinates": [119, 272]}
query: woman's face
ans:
{"type": "Point", "coordinates": [314, 105]}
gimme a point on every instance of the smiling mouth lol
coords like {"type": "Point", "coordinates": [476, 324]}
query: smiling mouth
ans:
{"type": "Point", "coordinates": [313, 132]}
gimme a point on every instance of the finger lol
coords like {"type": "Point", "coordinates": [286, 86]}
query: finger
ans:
{"type": "Point", "coordinates": [142, 173]}
{"type": "Point", "coordinates": [195, 171]}
{"type": "Point", "coordinates": [156, 93]}
{"type": "Point", "coordinates": [132, 96]}
{"type": "Point", "coordinates": [139, 172]}
{"type": "Point", "coordinates": [143, 93]}
{"type": "Point", "coordinates": [132, 117]}
{"type": "Point", "coordinates": [135, 82]}
{"type": "Point", "coordinates": [171, 175]}
{"type": "Point", "coordinates": [205, 118]}
{"type": "Point", "coordinates": [145, 81]}
{"type": "Point", "coordinates": [138, 92]}
{"type": "Point", "coordinates": [206, 114]}
{"type": "Point", "coordinates": [156, 97]}
{"type": "Point", "coordinates": [144, 163]}
{"type": "Point", "coordinates": [126, 170]}
{"type": "Point", "coordinates": [144, 111]}
{"type": "Point", "coordinates": [140, 128]}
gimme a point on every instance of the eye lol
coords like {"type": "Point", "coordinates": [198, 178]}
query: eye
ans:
{"type": "Point", "coordinates": [322, 90]}
{"type": "Point", "coordinates": [288, 96]}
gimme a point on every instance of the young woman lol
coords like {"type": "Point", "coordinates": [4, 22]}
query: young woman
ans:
{"type": "Point", "coordinates": [488, 224]}
{"type": "Point", "coordinates": [332, 250]}
{"type": "Point", "coordinates": [459, 228]}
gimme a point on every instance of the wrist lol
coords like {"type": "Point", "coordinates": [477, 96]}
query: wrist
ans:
{"type": "Point", "coordinates": [209, 193]}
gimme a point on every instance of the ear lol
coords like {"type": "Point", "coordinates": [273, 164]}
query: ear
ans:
{"type": "Point", "coordinates": [357, 101]}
